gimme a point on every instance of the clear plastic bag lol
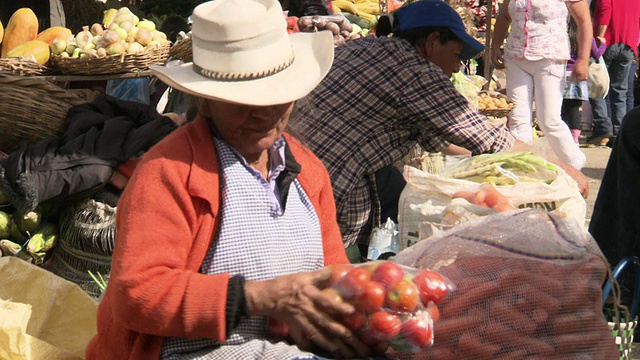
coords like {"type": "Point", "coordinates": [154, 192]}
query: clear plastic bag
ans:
{"type": "Point", "coordinates": [394, 303]}
{"type": "Point", "coordinates": [384, 241]}
{"type": "Point", "coordinates": [466, 87]}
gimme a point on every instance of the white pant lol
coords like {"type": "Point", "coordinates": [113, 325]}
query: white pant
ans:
{"type": "Point", "coordinates": [547, 78]}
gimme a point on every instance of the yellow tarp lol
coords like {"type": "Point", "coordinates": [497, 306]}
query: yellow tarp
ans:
{"type": "Point", "coordinates": [42, 316]}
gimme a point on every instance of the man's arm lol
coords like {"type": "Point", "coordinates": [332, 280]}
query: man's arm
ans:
{"type": "Point", "coordinates": [602, 18]}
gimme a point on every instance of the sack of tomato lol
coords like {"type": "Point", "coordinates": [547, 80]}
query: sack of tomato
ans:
{"type": "Point", "coordinates": [394, 303]}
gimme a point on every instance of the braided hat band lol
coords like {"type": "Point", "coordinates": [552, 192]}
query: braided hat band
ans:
{"type": "Point", "coordinates": [219, 75]}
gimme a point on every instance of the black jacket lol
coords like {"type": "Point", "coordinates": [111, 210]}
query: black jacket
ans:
{"type": "Point", "coordinates": [98, 136]}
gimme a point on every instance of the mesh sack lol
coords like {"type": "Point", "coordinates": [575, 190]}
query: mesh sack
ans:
{"type": "Point", "coordinates": [528, 287]}
{"type": "Point", "coordinates": [87, 238]}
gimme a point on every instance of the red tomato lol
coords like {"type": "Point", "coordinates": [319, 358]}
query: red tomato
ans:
{"type": "Point", "coordinates": [383, 325]}
{"type": "Point", "coordinates": [337, 272]}
{"type": "Point", "coordinates": [353, 283]}
{"type": "Point", "coordinates": [371, 299]}
{"type": "Point", "coordinates": [277, 328]}
{"type": "Point", "coordinates": [353, 321]}
{"type": "Point", "coordinates": [388, 274]}
{"type": "Point", "coordinates": [432, 286]}
{"type": "Point", "coordinates": [333, 294]}
{"type": "Point", "coordinates": [417, 332]}
{"type": "Point", "coordinates": [371, 266]}
{"type": "Point", "coordinates": [403, 297]}
{"type": "Point", "coordinates": [366, 336]}
{"type": "Point", "coordinates": [434, 312]}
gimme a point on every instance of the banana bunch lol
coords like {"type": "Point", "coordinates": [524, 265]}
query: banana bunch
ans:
{"type": "Point", "coordinates": [366, 9]}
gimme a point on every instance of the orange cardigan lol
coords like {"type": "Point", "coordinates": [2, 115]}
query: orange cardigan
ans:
{"type": "Point", "coordinates": [166, 221]}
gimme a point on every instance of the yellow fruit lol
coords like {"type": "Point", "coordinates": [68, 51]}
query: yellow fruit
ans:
{"type": "Point", "coordinates": [53, 33]}
{"type": "Point", "coordinates": [22, 27]}
{"type": "Point", "coordinates": [367, 16]}
{"type": "Point", "coordinates": [108, 17]}
{"type": "Point", "coordinates": [36, 48]}
{"type": "Point", "coordinates": [369, 8]}
{"type": "Point", "coordinates": [346, 6]}
{"type": "Point", "coordinates": [1, 32]}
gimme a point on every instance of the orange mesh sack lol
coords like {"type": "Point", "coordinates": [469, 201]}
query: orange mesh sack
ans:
{"type": "Point", "coordinates": [528, 286]}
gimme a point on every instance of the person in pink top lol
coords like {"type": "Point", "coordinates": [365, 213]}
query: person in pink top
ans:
{"type": "Point", "coordinates": [535, 57]}
{"type": "Point", "coordinates": [618, 27]}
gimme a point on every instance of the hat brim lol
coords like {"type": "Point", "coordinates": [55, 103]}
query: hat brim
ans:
{"type": "Point", "coordinates": [472, 47]}
{"type": "Point", "coordinates": [313, 57]}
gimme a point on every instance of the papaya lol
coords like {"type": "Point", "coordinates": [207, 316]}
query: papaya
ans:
{"type": "Point", "coordinates": [22, 28]}
{"type": "Point", "coordinates": [53, 33]}
{"type": "Point", "coordinates": [36, 48]}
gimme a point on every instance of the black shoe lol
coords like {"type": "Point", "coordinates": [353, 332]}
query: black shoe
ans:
{"type": "Point", "coordinates": [601, 140]}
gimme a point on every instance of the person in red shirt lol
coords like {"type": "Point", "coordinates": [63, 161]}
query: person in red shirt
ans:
{"type": "Point", "coordinates": [618, 27]}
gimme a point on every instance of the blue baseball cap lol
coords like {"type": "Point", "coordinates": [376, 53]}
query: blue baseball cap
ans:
{"type": "Point", "coordinates": [423, 13]}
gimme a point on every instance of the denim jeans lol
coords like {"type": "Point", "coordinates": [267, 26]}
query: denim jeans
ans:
{"type": "Point", "coordinates": [608, 112]}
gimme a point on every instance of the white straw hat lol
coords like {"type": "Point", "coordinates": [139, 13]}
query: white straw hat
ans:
{"type": "Point", "coordinates": [243, 54]}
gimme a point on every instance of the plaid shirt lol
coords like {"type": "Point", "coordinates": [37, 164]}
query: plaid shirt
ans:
{"type": "Point", "coordinates": [379, 99]}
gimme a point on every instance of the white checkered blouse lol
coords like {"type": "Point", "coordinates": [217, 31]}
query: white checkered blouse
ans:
{"type": "Point", "coordinates": [255, 242]}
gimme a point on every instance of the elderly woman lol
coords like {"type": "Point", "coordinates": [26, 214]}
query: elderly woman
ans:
{"type": "Point", "coordinates": [229, 219]}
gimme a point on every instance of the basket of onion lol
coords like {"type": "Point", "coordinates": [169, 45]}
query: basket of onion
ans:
{"type": "Point", "coordinates": [119, 45]}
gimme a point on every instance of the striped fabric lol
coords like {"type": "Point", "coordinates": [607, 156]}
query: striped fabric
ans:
{"type": "Point", "coordinates": [379, 99]}
{"type": "Point", "coordinates": [257, 243]}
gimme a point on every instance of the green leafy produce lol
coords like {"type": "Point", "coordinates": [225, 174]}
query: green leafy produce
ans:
{"type": "Point", "coordinates": [504, 169]}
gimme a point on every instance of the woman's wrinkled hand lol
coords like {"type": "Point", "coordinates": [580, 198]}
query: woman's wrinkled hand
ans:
{"type": "Point", "coordinates": [580, 71]}
{"type": "Point", "coordinates": [298, 301]}
{"type": "Point", "coordinates": [497, 58]}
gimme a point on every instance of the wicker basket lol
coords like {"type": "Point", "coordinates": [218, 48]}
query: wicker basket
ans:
{"type": "Point", "coordinates": [31, 109]}
{"type": "Point", "coordinates": [498, 113]}
{"type": "Point", "coordinates": [112, 64]}
{"type": "Point", "coordinates": [182, 50]}
{"type": "Point", "coordinates": [17, 67]}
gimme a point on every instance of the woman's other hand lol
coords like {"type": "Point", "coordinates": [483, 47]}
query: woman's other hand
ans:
{"type": "Point", "coordinates": [500, 31]}
{"type": "Point", "coordinates": [497, 58]}
{"type": "Point", "coordinates": [298, 301]}
{"type": "Point", "coordinates": [580, 71]}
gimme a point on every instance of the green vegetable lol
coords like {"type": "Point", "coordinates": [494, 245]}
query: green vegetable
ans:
{"type": "Point", "coordinates": [102, 284]}
{"type": "Point", "coordinates": [5, 224]}
{"type": "Point", "coordinates": [29, 222]}
{"type": "Point", "coordinates": [8, 247]}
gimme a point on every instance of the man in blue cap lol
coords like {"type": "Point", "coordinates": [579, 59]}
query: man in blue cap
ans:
{"type": "Point", "coordinates": [382, 96]}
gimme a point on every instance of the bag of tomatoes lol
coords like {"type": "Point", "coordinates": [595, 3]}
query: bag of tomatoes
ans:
{"type": "Point", "coordinates": [394, 303]}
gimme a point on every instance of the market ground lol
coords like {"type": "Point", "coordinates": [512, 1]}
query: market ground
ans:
{"type": "Point", "coordinates": [597, 158]}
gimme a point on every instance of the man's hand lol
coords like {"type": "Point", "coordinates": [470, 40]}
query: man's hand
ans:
{"type": "Point", "coordinates": [583, 182]}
